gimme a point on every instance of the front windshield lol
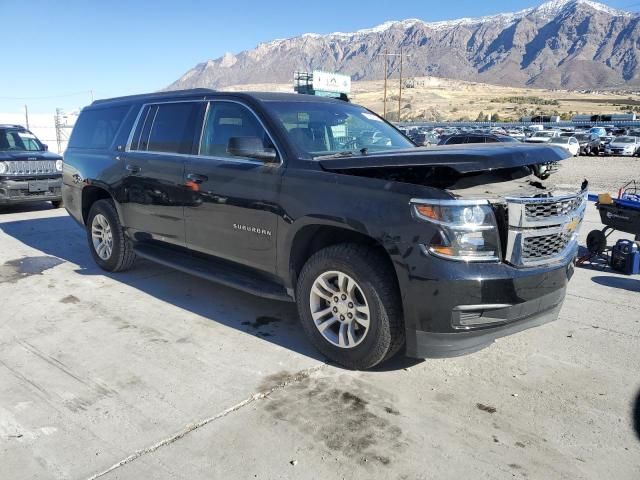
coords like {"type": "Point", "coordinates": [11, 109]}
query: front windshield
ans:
{"type": "Point", "coordinates": [559, 140]}
{"type": "Point", "coordinates": [19, 140]}
{"type": "Point", "coordinates": [625, 140]}
{"type": "Point", "coordinates": [544, 134]}
{"type": "Point", "coordinates": [323, 128]}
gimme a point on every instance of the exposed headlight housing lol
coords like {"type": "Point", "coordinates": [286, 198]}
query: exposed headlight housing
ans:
{"type": "Point", "coordinates": [467, 229]}
{"type": "Point", "coordinates": [3, 168]}
{"type": "Point", "coordinates": [59, 164]}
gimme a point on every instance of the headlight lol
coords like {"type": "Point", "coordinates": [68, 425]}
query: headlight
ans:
{"type": "Point", "coordinates": [59, 165]}
{"type": "Point", "coordinates": [467, 230]}
{"type": "Point", "coordinates": [3, 168]}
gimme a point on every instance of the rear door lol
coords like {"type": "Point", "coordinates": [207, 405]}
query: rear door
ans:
{"type": "Point", "coordinates": [236, 213]}
{"type": "Point", "coordinates": [154, 192]}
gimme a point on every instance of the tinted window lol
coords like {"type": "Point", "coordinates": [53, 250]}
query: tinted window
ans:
{"type": "Point", "coordinates": [455, 140]}
{"type": "Point", "coordinates": [475, 139]}
{"type": "Point", "coordinates": [226, 120]}
{"type": "Point", "coordinates": [173, 128]}
{"type": "Point", "coordinates": [96, 128]}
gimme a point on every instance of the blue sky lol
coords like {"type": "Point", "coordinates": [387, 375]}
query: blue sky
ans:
{"type": "Point", "coordinates": [63, 49]}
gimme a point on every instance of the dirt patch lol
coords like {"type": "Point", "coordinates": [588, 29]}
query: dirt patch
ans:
{"type": "Point", "coordinates": [70, 299]}
{"type": "Point", "coordinates": [14, 270]}
{"type": "Point", "coordinates": [343, 415]}
{"type": "Point", "coordinates": [262, 322]}
{"type": "Point", "coordinates": [486, 408]}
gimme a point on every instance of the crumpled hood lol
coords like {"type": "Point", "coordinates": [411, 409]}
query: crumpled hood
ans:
{"type": "Point", "coordinates": [23, 155]}
{"type": "Point", "coordinates": [461, 158]}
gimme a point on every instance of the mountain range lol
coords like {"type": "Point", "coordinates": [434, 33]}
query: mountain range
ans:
{"type": "Point", "coordinates": [569, 44]}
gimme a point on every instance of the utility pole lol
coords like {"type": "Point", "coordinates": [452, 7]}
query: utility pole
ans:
{"type": "Point", "coordinates": [26, 116]}
{"type": "Point", "coordinates": [58, 123]}
{"type": "Point", "coordinates": [400, 93]}
{"type": "Point", "coordinates": [386, 61]}
{"type": "Point", "coordinates": [386, 55]}
{"type": "Point", "coordinates": [91, 93]}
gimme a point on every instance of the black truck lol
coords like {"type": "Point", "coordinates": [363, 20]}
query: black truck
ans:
{"type": "Point", "coordinates": [28, 171]}
{"type": "Point", "coordinates": [383, 245]}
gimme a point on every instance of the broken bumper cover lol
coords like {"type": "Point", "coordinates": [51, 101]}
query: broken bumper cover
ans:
{"type": "Point", "coordinates": [477, 304]}
{"type": "Point", "coordinates": [20, 191]}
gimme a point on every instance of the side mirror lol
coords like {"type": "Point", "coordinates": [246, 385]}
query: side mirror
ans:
{"type": "Point", "coordinates": [251, 147]}
{"type": "Point", "coordinates": [45, 147]}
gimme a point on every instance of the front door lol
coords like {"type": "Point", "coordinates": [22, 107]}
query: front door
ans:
{"type": "Point", "coordinates": [155, 195]}
{"type": "Point", "coordinates": [237, 211]}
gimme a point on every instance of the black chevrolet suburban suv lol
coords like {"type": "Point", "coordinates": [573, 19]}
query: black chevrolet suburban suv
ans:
{"type": "Point", "coordinates": [28, 171]}
{"type": "Point", "coordinates": [382, 244]}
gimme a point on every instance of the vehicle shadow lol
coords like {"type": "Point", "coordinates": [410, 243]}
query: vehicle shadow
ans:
{"type": "Point", "coordinates": [272, 321]}
{"type": "Point", "coordinates": [636, 416]}
{"type": "Point", "coordinates": [622, 283]}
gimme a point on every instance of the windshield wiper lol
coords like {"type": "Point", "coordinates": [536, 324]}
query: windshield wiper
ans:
{"type": "Point", "coordinates": [346, 153]}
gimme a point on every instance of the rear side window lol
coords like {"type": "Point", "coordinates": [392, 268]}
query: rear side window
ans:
{"type": "Point", "coordinates": [173, 128]}
{"type": "Point", "coordinates": [96, 128]}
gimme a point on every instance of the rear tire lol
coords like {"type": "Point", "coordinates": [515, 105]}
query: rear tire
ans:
{"type": "Point", "coordinates": [358, 274]}
{"type": "Point", "coordinates": [109, 246]}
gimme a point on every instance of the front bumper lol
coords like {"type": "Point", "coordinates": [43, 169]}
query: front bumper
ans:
{"type": "Point", "coordinates": [14, 191]}
{"type": "Point", "coordinates": [455, 308]}
{"type": "Point", "coordinates": [621, 153]}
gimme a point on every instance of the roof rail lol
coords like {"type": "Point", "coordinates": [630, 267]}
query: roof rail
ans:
{"type": "Point", "coordinates": [155, 95]}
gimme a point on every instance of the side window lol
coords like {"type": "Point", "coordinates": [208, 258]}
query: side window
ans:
{"type": "Point", "coordinates": [96, 128]}
{"type": "Point", "coordinates": [173, 128]}
{"type": "Point", "coordinates": [226, 121]}
{"type": "Point", "coordinates": [455, 140]}
{"type": "Point", "coordinates": [491, 140]}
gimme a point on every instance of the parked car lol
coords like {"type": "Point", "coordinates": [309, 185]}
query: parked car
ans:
{"type": "Point", "coordinates": [589, 143]}
{"type": "Point", "coordinates": [381, 244]}
{"type": "Point", "coordinates": [424, 139]}
{"type": "Point", "coordinates": [28, 171]}
{"type": "Point", "coordinates": [476, 138]}
{"type": "Point", "coordinates": [542, 136]}
{"type": "Point", "coordinates": [599, 131]}
{"type": "Point", "coordinates": [569, 143]}
{"type": "Point", "coordinates": [627, 146]}
{"type": "Point", "coordinates": [604, 142]}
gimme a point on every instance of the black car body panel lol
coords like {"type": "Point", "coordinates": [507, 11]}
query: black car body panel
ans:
{"type": "Point", "coordinates": [27, 175]}
{"type": "Point", "coordinates": [269, 216]}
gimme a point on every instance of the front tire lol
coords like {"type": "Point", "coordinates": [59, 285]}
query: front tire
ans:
{"type": "Point", "coordinates": [109, 246]}
{"type": "Point", "coordinates": [349, 305]}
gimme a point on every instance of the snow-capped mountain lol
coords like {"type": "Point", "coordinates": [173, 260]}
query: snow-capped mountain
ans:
{"type": "Point", "coordinates": [561, 43]}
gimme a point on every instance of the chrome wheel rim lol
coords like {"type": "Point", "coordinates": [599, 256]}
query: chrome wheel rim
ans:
{"type": "Point", "coordinates": [339, 309]}
{"type": "Point", "coordinates": [102, 237]}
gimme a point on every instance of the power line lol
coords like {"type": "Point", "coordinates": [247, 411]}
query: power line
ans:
{"type": "Point", "coordinates": [83, 92]}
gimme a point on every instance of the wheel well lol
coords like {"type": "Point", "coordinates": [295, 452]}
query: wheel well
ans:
{"type": "Point", "coordinates": [90, 195]}
{"type": "Point", "coordinates": [313, 238]}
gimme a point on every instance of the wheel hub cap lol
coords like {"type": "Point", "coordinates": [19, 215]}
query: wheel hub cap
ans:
{"type": "Point", "coordinates": [339, 309]}
{"type": "Point", "coordinates": [102, 236]}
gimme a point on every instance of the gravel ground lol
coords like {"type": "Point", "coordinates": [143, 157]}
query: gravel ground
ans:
{"type": "Point", "coordinates": [605, 174]}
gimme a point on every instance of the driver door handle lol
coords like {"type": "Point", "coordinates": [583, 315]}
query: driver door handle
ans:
{"type": "Point", "coordinates": [197, 178]}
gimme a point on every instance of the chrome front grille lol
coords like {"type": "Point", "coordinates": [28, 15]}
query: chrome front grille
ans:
{"type": "Point", "coordinates": [544, 246]}
{"type": "Point", "coordinates": [543, 230]}
{"type": "Point", "coordinates": [552, 208]}
{"type": "Point", "coordinates": [30, 167]}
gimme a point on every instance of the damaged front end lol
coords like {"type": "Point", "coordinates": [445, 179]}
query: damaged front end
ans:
{"type": "Point", "coordinates": [497, 210]}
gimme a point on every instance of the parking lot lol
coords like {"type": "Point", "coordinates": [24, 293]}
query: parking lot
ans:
{"type": "Point", "coordinates": [156, 374]}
